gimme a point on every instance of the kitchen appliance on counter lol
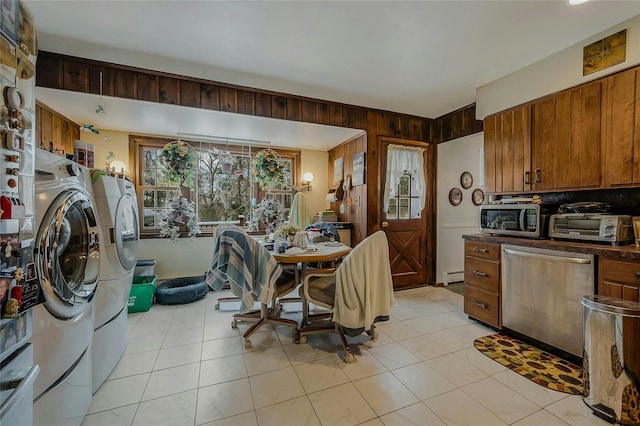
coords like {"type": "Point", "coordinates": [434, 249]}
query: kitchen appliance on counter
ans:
{"type": "Point", "coordinates": [593, 227]}
{"type": "Point", "coordinates": [527, 220]}
{"type": "Point", "coordinates": [542, 292]}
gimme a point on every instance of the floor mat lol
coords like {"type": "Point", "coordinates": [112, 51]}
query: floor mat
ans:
{"type": "Point", "coordinates": [536, 365]}
{"type": "Point", "coordinates": [457, 287]}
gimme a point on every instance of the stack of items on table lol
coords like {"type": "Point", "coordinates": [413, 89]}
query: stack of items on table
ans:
{"type": "Point", "coordinates": [326, 216]}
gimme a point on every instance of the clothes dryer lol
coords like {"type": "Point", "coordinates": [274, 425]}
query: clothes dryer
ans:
{"type": "Point", "coordinates": [67, 257]}
{"type": "Point", "coordinates": [119, 235]}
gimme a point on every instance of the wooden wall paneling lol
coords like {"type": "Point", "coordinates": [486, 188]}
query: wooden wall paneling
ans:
{"type": "Point", "coordinates": [75, 76]}
{"type": "Point", "coordinates": [308, 111]}
{"type": "Point", "coordinates": [388, 124]}
{"type": "Point", "coordinates": [169, 90]}
{"type": "Point", "coordinates": [49, 71]}
{"type": "Point", "coordinates": [263, 104]}
{"type": "Point", "coordinates": [373, 184]}
{"type": "Point", "coordinates": [294, 112]}
{"type": "Point", "coordinates": [348, 117]}
{"type": "Point", "coordinates": [322, 113]}
{"type": "Point", "coordinates": [74, 132]}
{"type": "Point", "coordinates": [246, 103]}
{"type": "Point", "coordinates": [148, 87]}
{"type": "Point", "coordinates": [209, 97]}
{"type": "Point", "coordinates": [38, 135]}
{"type": "Point", "coordinates": [335, 115]}
{"type": "Point", "coordinates": [124, 82]}
{"type": "Point", "coordinates": [279, 107]}
{"type": "Point", "coordinates": [56, 129]}
{"type": "Point", "coordinates": [190, 93]}
{"type": "Point", "coordinates": [107, 80]}
{"type": "Point", "coordinates": [360, 120]}
{"type": "Point", "coordinates": [447, 130]}
{"type": "Point", "coordinates": [415, 129]}
{"type": "Point", "coordinates": [436, 131]}
{"type": "Point", "coordinates": [45, 125]}
{"type": "Point", "coordinates": [228, 99]}
{"type": "Point", "coordinates": [65, 137]}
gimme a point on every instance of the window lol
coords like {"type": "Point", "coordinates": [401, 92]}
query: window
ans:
{"type": "Point", "coordinates": [405, 204]}
{"type": "Point", "coordinates": [221, 192]}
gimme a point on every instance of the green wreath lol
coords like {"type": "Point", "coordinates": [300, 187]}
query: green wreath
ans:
{"type": "Point", "coordinates": [180, 161]}
{"type": "Point", "coordinates": [268, 169]}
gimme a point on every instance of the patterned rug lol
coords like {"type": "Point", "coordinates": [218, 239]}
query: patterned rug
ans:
{"type": "Point", "coordinates": [536, 365]}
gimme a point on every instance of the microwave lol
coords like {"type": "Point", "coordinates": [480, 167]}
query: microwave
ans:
{"type": "Point", "coordinates": [520, 220]}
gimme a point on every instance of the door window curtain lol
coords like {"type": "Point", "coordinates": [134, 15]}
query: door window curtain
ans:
{"type": "Point", "coordinates": [400, 160]}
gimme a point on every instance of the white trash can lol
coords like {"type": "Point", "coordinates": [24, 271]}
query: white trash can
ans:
{"type": "Point", "coordinates": [611, 358]}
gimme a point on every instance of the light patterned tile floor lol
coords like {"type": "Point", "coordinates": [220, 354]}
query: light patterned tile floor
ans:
{"type": "Point", "coordinates": [185, 365]}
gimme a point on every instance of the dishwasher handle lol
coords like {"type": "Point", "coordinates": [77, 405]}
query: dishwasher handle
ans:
{"type": "Point", "coordinates": [564, 259]}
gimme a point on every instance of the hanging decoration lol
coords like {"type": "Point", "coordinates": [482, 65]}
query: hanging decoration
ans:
{"type": "Point", "coordinates": [182, 215]}
{"type": "Point", "coordinates": [180, 161]}
{"type": "Point", "coordinates": [268, 169]}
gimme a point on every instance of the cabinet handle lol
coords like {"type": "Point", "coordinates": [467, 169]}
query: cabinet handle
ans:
{"type": "Point", "coordinates": [527, 178]}
{"type": "Point", "coordinates": [637, 274]}
{"type": "Point", "coordinates": [538, 177]}
{"type": "Point", "coordinates": [480, 305]}
{"type": "Point", "coordinates": [480, 250]}
{"type": "Point", "coordinates": [481, 274]}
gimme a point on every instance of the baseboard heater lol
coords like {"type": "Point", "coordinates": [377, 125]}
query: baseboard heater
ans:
{"type": "Point", "coordinates": [452, 277]}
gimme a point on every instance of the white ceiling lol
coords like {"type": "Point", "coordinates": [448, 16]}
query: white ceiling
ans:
{"type": "Point", "coordinates": [424, 58]}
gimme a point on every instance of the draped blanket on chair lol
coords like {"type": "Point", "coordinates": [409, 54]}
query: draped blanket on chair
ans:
{"type": "Point", "coordinates": [364, 288]}
{"type": "Point", "coordinates": [251, 270]}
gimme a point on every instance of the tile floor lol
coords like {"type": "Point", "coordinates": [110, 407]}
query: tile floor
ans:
{"type": "Point", "coordinates": [185, 365]}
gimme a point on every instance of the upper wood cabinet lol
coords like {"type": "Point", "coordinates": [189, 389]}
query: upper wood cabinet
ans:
{"type": "Point", "coordinates": [566, 139]}
{"type": "Point", "coordinates": [507, 151]}
{"type": "Point", "coordinates": [622, 129]}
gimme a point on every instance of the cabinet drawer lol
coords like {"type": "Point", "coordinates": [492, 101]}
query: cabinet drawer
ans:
{"type": "Point", "coordinates": [482, 306]}
{"type": "Point", "coordinates": [488, 251]}
{"type": "Point", "coordinates": [482, 274]}
{"type": "Point", "coordinates": [621, 271]}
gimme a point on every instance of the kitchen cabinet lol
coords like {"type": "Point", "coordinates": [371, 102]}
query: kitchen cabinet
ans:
{"type": "Point", "coordinates": [53, 127]}
{"type": "Point", "coordinates": [622, 129]}
{"type": "Point", "coordinates": [619, 278]}
{"type": "Point", "coordinates": [507, 150]}
{"type": "Point", "coordinates": [566, 139]}
{"type": "Point", "coordinates": [482, 282]}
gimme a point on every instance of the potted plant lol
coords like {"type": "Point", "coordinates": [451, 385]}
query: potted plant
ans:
{"type": "Point", "coordinates": [269, 213]}
{"type": "Point", "coordinates": [226, 161]}
{"type": "Point", "coordinates": [268, 169]}
{"type": "Point", "coordinates": [180, 161]}
{"type": "Point", "coordinates": [181, 215]}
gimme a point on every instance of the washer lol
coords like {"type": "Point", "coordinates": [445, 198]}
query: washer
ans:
{"type": "Point", "coordinates": [67, 257]}
{"type": "Point", "coordinates": [119, 235]}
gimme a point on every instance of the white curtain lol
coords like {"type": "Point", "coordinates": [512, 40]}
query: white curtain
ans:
{"type": "Point", "coordinates": [399, 159]}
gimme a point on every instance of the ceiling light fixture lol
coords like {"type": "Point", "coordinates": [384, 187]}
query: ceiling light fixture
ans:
{"type": "Point", "coordinates": [577, 2]}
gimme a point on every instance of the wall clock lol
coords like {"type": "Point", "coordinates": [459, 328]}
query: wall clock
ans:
{"type": "Point", "coordinates": [466, 180]}
{"type": "Point", "coordinates": [455, 196]}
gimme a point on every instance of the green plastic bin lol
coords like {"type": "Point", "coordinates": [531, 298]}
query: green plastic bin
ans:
{"type": "Point", "coordinates": [141, 295]}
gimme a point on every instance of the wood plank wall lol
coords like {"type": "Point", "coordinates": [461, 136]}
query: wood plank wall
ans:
{"type": "Point", "coordinates": [456, 124]}
{"type": "Point", "coordinates": [51, 126]}
{"type": "Point", "coordinates": [356, 212]}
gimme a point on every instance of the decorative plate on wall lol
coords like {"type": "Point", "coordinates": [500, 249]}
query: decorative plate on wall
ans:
{"type": "Point", "coordinates": [466, 180]}
{"type": "Point", "coordinates": [455, 196]}
{"type": "Point", "coordinates": [477, 196]}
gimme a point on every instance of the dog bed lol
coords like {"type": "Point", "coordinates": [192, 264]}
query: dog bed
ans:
{"type": "Point", "coordinates": [181, 290]}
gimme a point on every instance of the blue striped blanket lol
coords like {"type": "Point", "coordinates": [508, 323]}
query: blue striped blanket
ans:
{"type": "Point", "coordinates": [250, 269]}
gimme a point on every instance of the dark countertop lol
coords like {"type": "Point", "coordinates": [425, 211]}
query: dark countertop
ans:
{"type": "Point", "coordinates": [626, 252]}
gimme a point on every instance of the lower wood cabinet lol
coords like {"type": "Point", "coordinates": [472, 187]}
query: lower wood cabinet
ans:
{"type": "Point", "coordinates": [482, 282]}
{"type": "Point", "coordinates": [619, 278]}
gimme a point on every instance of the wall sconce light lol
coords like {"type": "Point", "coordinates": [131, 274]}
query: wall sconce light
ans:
{"type": "Point", "coordinates": [307, 178]}
{"type": "Point", "coordinates": [117, 166]}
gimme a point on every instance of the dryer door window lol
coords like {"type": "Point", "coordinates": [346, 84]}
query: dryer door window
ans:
{"type": "Point", "coordinates": [127, 232]}
{"type": "Point", "coordinates": [68, 254]}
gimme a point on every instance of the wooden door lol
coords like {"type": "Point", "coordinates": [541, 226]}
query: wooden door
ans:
{"type": "Point", "coordinates": [411, 255]}
{"type": "Point", "coordinates": [622, 117]}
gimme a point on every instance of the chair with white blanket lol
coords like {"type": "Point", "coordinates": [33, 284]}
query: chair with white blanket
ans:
{"type": "Point", "coordinates": [357, 294]}
{"type": "Point", "coordinates": [253, 275]}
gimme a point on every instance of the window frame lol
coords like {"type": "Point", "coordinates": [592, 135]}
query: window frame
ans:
{"type": "Point", "coordinates": [138, 142]}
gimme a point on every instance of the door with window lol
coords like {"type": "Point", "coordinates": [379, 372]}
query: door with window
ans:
{"type": "Point", "coordinates": [407, 211]}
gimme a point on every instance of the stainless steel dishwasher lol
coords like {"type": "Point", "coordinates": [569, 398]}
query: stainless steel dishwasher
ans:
{"type": "Point", "coordinates": [542, 292]}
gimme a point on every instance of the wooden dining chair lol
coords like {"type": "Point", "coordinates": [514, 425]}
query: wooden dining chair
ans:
{"type": "Point", "coordinates": [355, 295]}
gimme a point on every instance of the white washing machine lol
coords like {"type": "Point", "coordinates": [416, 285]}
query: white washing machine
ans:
{"type": "Point", "coordinates": [119, 234]}
{"type": "Point", "coordinates": [67, 257]}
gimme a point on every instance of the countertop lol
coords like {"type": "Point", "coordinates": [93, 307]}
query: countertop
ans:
{"type": "Point", "coordinates": [626, 252]}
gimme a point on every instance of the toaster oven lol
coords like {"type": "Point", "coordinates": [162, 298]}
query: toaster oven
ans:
{"type": "Point", "coordinates": [594, 227]}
